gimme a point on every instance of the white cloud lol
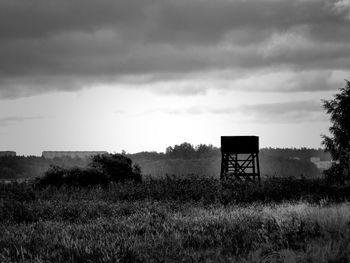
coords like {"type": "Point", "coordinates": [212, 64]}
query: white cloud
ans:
{"type": "Point", "coordinates": [341, 7]}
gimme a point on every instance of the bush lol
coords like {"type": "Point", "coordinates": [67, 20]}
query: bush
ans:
{"type": "Point", "coordinates": [53, 176]}
{"type": "Point", "coordinates": [102, 170]}
{"type": "Point", "coordinates": [58, 176]}
{"type": "Point", "coordinates": [85, 177]}
{"type": "Point", "coordinates": [118, 167]}
{"type": "Point", "coordinates": [335, 174]}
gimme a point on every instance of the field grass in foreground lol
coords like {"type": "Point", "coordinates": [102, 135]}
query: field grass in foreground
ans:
{"type": "Point", "coordinates": [102, 225]}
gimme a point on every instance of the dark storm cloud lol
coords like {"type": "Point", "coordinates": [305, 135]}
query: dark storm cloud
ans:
{"type": "Point", "coordinates": [181, 20]}
{"type": "Point", "coordinates": [50, 45]}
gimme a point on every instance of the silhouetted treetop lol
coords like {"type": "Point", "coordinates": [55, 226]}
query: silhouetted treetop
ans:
{"type": "Point", "coordinates": [188, 151]}
{"type": "Point", "coordinates": [338, 144]}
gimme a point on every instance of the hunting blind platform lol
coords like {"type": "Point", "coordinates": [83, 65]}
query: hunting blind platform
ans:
{"type": "Point", "coordinates": [240, 158]}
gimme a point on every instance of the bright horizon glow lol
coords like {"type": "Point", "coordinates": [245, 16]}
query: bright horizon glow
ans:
{"type": "Point", "coordinates": [131, 119]}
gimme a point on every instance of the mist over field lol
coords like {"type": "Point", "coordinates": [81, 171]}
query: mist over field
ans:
{"type": "Point", "coordinates": [181, 160]}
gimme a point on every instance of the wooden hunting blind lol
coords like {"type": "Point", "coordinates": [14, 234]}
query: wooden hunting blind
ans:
{"type": "Point", "coordinates": [240, 158]}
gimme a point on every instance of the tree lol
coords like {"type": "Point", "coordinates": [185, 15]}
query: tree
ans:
{"type": "Point", "coordinates": [339, 143]}
{"type": "Point", "coordinates": [117, 166]}
{"type": "Point", "coordinates": [183, 151]}
{"type": "Point", "coordinates": [204, 151]}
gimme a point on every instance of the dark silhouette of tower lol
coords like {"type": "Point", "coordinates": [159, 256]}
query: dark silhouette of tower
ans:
{"type": "Point", "coordinates": [240, 158]}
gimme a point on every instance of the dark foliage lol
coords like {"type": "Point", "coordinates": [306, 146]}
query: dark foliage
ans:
{"type": "Point", "coordinates": [187, 151]}
{"type": "Point", "coordinates": [339, 143]}
{"type": "Point", "coordinates": [192, 188]}
{"type": "Point", "coordinates": [335, 174]}
{"type": "Point", "coordinates": [58, 176]}
{"type": "Point", "coordinates": [54, 176]}
{"type": "Point", "coordinates": [102, 170]}
{"type": "Point", "coordinates": [118, 167]}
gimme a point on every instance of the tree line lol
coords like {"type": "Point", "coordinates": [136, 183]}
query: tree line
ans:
{"type": "Point", "coordinates": [181, 159]}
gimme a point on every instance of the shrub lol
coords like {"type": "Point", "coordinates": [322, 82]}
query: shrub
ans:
{"type": "Point", "coordinates": [334, 173]}
{"type": "Point", "coordinates": [58, 176]}
{"type": "Point", "coordinates": [102, 170]}
{"type": "Point", "coordinates": [118, 167]}
{"type": "Point", "coordinates": [53, 176]}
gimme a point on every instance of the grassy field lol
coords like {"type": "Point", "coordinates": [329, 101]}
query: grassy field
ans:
{"type": "Point", "coordinates": [176, 220]}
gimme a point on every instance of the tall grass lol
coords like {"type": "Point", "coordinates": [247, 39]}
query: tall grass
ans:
{"type": "Point", "coordinates": [189, 189]}
{"type": "Point", "coordinates": [172, 220]}
{"type": "Point", "coordinates": [155, 231]}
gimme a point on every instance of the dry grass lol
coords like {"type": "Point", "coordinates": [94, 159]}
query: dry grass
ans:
{"type": "Point", "coordinates": [149, 231]}
{"type": "Point", "coordinates": [126, 225]}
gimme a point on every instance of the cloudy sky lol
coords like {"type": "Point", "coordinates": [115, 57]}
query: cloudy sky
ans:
{"type": "Point", "coordinates": [145, 74]}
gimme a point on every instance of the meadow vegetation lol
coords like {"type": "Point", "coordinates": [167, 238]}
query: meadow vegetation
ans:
{"type": "Point", "coordinates": [176, 219]}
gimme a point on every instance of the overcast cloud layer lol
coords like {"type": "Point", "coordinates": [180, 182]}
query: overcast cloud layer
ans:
{"type": "Point", "coordinates": [67, 45]}
{"type": "Point", "coordinates": [281, 112]}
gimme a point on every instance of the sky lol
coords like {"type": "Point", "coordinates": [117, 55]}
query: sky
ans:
{"type": "Point", "coordinates": [142, 75]}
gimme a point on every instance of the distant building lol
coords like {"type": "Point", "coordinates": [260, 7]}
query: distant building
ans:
{"type": "Point", "coordinates": [7, 153]}
{"type": "Point", "coordinates": [321, 165]}
{"type": "Point", "coordinates": [72, 154]}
